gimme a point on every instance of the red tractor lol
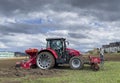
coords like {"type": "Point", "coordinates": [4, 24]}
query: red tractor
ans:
{"type": "Point", "coordinates": [55, 53]}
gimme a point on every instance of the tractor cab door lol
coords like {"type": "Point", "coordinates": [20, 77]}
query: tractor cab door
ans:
{"type": "Point", "coordinates": [58, 46]}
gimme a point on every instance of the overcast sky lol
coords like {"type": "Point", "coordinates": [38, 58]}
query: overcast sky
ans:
{"type": "Point", "coordinates": [86, 24]}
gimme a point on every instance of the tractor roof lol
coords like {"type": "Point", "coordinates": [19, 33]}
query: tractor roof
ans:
{"type": "Point", "coordinates": [55, 39]}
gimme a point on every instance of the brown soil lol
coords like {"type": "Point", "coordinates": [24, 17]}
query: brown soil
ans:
{"type": "Point", "coordinates": [7, 69]}
{"type": "Point", "coordinates": [112, 58]}
{"type": "Point", "coordinates": [12, 72]}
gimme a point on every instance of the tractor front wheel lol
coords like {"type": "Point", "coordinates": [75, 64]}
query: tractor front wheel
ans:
{"type": "Point", "coordinates": [76, 62]}
{"type": "Point", "coordinates": [45, 60]}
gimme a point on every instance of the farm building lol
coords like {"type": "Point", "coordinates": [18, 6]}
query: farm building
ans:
{"type": "Point", "coordinates": [5, 54]}
{"type": "Point", "coordinates": [112, 47]}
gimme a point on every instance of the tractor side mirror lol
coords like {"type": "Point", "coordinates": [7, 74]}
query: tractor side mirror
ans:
{"type": "Point", "coordinates": [67, 42]}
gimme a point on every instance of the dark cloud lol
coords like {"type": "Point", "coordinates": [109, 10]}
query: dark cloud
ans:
{"type": "Point", "coordinates": [75, 35]}
{"type": "Point", "coordinates": [5, 40]}
{"type": "Point", "coordinates": [108, 5]}
{"type": "Point", "coordinates": [27, 28]}
{"type": "Point", "coordinates": [80, 20]}
{"type": "Point", "coordinates": [13, 7]}
{"type": "Point", "coordinates": [104, 10]}
{"type": "Point", "coordinates": [33, 5]}
{"type": "Point", "coordinates": [107, 10]}
{"type": "Point", "coordinates": [6, 30]}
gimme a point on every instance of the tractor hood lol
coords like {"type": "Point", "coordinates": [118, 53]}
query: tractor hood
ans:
{"type": "Point", "coordinates": [73, 52]}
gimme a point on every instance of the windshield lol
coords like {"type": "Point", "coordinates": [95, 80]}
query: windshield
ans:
{"type": "Point", "coordinates": [55, 44]}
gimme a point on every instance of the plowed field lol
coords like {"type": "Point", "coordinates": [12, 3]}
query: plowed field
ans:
{"type": "Point", "coordinates": [7, 69]}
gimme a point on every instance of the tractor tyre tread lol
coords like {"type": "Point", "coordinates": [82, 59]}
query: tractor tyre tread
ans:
{"type": "Point", "coordinates": [51, 57]}
{"type": "Point", "coordinates": [81, 60]}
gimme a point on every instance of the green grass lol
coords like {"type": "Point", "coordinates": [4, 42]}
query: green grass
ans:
{"type": "Point", "coordinates": [110, 74]}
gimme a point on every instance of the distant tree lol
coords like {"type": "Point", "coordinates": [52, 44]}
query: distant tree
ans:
{"type": "Point", "coordinates": [91, 52]}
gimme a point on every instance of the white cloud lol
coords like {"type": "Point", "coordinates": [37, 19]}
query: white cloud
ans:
{"type": "Point", "coordinates": [24, 40]}
{"type": "Point", "coordinates": [71, 15]}
{"type": "Point", "coordinates": [7, 21]}
{"type": "Point", "coordinates": [84, 28]}
{"type": "Point", "coordinates": [2, 45]}
{"type": "Point", "coordinates": [57, 33]}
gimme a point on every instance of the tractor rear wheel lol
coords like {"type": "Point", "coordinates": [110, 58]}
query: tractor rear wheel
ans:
{"type": "Point", "coordinates": [76, 62]}
{"type": "Point", "coordinates": [45, 60]}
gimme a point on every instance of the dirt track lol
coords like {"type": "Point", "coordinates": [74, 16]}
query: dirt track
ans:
{"type": "Point", "coordinates": [7, 69]}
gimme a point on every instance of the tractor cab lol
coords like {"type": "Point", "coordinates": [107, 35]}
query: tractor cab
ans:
{"type": "Point", "coordinates": [58, 45]}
